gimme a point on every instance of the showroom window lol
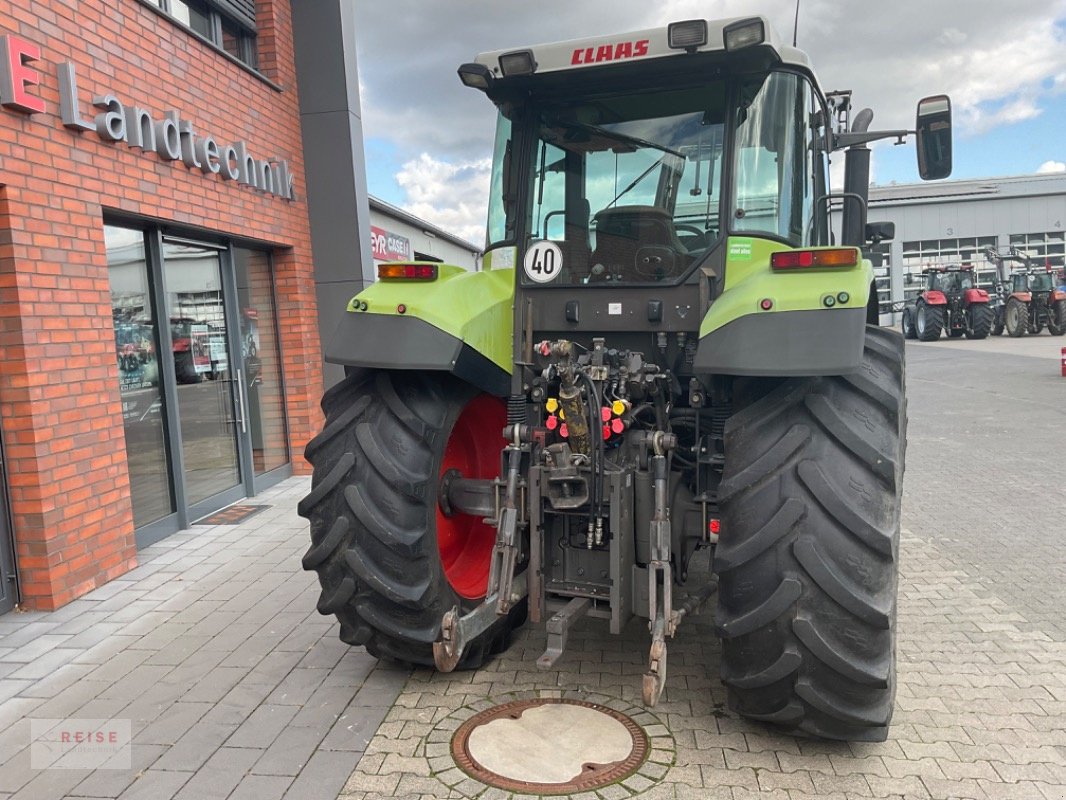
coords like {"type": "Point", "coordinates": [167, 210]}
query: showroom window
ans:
{"type": "Point", "coordinates": [199, 361]}
{"type": "Point", "coordinates": [227, 24]}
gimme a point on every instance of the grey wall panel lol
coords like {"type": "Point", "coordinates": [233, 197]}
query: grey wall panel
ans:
{"type": "Point", "coordinates": [340, 213]}
{"type": "Point", "coordinates": [328, 83]}
{"type": "Point", "coordinates": [325, 55]}
{"type": "Point", "coordinates": [985, 219]}
{"type": "Point", "coordinates": [332, 301]}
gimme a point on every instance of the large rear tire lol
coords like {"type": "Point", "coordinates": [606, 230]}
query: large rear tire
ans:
{"type": "Point", "coordinates": [389, 562]}
{"type": "Point", "coordinates": [1056, 322]}
{"type": "Point", "coordinates": [978, 321]}
{"type": "Point", "coordinates": [928, 322]}
{"type": "Point", "coordinates": [807, 554]}
{"type": "Point", "coordinates": [1016, 318]}
{"type": "Point", "coordinates": [908, 324]}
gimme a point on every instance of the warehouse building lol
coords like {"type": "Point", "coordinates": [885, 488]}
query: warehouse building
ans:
{"type": "Point", "coordinates": [955, 222]}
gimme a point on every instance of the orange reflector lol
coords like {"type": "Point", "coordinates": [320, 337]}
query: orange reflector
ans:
{"type": "Point", "coordinates": [407, 272]}
{"type": "Point", "coordinates": [815, 259]}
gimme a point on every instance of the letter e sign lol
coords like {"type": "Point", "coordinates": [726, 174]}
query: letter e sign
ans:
{"type": "Point", "coordinates": [16, 76]}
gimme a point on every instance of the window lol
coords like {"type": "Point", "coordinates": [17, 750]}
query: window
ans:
{"type": "Point", "coordinates": [227, 24]}
{"type": "Point", "coordinates": [195, 14]}
{"type": "Point", "coordinates": [625, 185]}
{"type": "Point", "coordinates": [1045, 249]}
{"type": "Point", "coordinates": [780, 160]}
{"type": "Point", "coordinates": [501, 195]}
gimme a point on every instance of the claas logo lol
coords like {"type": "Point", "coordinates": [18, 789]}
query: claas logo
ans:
{"type": "Point", "coordinates": [610, 52]}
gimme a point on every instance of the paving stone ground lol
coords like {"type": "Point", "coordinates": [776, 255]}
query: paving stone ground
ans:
{"type": "Point", "coordinates": [236, 688]}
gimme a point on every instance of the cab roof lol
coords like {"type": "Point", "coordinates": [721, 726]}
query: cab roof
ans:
{"type": "Point", "coordinates": [651, 44]}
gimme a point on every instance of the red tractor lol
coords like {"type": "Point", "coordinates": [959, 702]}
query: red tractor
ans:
{"type": "Point", "coordinates": [950, 302]}
{"type": "Point", "coordinates": [1027, 299]}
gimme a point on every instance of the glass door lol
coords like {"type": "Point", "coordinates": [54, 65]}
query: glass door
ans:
{"type": "Point", "coordinates": [140, 375]}
{"type": "Point", "coordinates": [208, 394]}
{"type": "Point", "coordinates": [264, 397]}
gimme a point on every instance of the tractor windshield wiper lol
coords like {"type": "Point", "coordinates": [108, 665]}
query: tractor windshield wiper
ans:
{"type": "Point", "coordinates": [594, 145]}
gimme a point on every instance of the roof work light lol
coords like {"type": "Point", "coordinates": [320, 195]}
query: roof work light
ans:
{"type": "Point", "coordinates": [520, 62]}
{"type": "Point", "coordinates": [744, 34]}
{"type": "Point", "coordinates": [476, 76]}
{"type": "Point", "coordinates": [687, 35]}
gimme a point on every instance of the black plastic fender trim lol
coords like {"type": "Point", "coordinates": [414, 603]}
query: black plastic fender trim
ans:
{"type": "Point", "coordinates": [786, 343]}
{"type": "Point", "coordinates": [385, 341]}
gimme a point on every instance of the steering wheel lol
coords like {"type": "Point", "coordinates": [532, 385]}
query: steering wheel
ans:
{"type": "Point", "coordinates": [700, 236]}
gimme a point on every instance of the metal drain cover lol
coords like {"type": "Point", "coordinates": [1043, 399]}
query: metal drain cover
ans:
{"type": "Point", "coordinates": [549, 746]}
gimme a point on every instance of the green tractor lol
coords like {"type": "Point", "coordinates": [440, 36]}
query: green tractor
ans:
{"type": "Point", "coordinates": [666, 382]}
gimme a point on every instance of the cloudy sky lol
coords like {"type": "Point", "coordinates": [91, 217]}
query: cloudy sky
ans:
{"type": "Point", "coordinates": [429, 139]}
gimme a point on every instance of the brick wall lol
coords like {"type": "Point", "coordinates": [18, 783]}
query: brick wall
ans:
{"type": "Point", "coordinates": [59, 396]}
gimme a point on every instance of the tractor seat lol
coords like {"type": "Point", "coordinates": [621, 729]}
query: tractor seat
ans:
{"type": "Point", "coordinates": [638, 244]}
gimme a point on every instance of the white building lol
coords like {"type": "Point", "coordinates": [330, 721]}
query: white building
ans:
{"type": "Point", "coordinates": [397, 235]}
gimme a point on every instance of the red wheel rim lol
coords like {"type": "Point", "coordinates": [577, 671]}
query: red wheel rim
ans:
{"type": "Point", "coordinates": [465, 542]}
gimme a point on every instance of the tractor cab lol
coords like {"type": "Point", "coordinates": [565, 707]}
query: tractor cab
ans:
{"type": "Point", "coordinates": [1041, 282]}
{"type": "Point", "coordinates": [636, 182]}
{"type": "Point", "coordinates": [637, 179]}
{"type": "Point", "coordinates": [950, 281]}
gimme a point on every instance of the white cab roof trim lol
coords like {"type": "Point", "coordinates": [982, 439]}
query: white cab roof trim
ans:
{"type": "Point", "coordinates": [634, 46]}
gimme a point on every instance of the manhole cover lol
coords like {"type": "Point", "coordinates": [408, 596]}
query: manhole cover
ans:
{"type": "Point", "coordinates": [549, 746]}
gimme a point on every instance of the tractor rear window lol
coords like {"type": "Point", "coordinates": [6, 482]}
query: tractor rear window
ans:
{"type": "Point", "coordinates": [1042, 282]}
{"type": "Point", "coordinates": [779, 164]}
{"type": "Point", "coordinates": [627, 188]}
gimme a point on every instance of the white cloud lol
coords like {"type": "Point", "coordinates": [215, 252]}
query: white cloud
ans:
{"type": "Point", "coordinates": [452, 196]}
{"type": "Point", "coordinates": [1049, 167]}
{"type": "Point", "coordinates": [952, 37]}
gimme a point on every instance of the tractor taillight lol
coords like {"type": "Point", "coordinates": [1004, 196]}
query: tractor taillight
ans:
{"type": "Point", "coordinates": [407, 272]}
{"type": "Point", "coordinates": [715, 526]}
{"type": "Point", "coordinates": [815, 259]}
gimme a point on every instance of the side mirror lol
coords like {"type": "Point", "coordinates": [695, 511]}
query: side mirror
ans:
{"type": "Point", "coordinates": [934, 137]}
{"type": "Point", "coordinates": [877, 232]}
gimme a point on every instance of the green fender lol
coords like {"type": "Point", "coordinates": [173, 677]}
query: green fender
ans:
{"type": "Point", "coordinates": [460, 323]}
{"type": "Point", "coordinates": [815, 325]}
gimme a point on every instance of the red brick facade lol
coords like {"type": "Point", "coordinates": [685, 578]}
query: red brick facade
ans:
{"type": "Point", "coordinates": [59, 384]}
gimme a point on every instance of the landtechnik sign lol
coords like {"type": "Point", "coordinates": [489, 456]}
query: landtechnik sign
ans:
{"type": "Point", "coordinates": [168, 135]}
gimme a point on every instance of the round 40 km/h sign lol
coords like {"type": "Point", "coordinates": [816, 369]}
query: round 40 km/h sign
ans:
{"type": "Point", "coordinates": [543, 262]}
